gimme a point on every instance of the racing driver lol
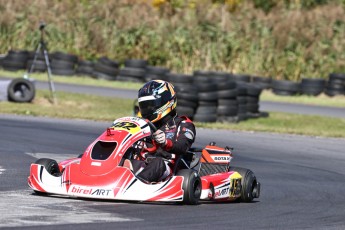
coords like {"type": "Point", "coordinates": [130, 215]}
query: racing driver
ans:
{"type": "Point", "coordinates": [174, 136]}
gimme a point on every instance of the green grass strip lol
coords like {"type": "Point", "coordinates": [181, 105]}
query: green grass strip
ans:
{"type": "Point", "coordinates": [98, 108]}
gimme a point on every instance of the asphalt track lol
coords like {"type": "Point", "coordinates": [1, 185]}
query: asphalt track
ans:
{"type": "Point", "coordinates": [303, 182]}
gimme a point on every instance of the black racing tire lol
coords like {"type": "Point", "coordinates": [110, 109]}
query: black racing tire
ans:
{"type": "Point", "coordinates": [251, 99]}
{"type": "Point", "coordinates": [21, 90]}
{"type": "Point", "coordinates": [249, 184]}
{"type": "Point", "coordinates": [40, 65]}
{"type": "Point", "coordinates": [206, 109]}
{"type": "Point", "coordinates": [13, 65]}
{"type": "Point", "coordinates": [185, 111]}
{"type": "Point", "coordinates": [227, 102]}
{"type": "Point", "coordinates": [133, 72]}
{"type": "Point", "coordinates": [205, 117]}
{"type": "Point", "coordinates": [241, 100]}
{"type": "Point", "coordinates": [50, 165]}
{"type": "Point", "coordinates": [105, 69]}
{"type": "Point", "coordinates": [207, 103]}
{"type": "Point", "coordinates": [286, 85]}
{"type": "Point", "coordinates": [220, 76]}
{"type": "Point", "coordinates": [333, 92]}
{"type": "Point", "coordinates": [241, 77]}
{"type": "Point", "coordinates": [187, 103]}
{"type": "Point", "coordinates": [191, 186]}
{"type": "Point", "coordinates": [229, 93]}
{"type": "Point", "coordinates": [65, 57]}
{"type": "Point", "coordinates": [136, 63]}
{"type": "Point", "coordinates": [226, 85]}
{"type": "Point", "coordinates": [208, 96]}
{"type": "Point", "coordinates": [104, 76]}
{"type": "Point", "coordinates": [227, 110]}
{"type": "Point", "coordinates": [207, 87]}
{"type": "Point", "coordinates": [252, 107]}
{"type": "Point", "coordinates": [108, 62]}
{"type": "Point", "coordinates": [186, 88]}
{"type": "Point", "coordinates": [254, 91]}
{"type": "Point", "coordinates": [187, 96]}
{"type": "Point", "coordinates": [283, 92]}
{"type": "Point", "coordinates": [175, 78]}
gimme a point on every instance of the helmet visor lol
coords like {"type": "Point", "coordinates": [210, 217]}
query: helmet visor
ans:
{"type": "Point", "coordinates": [148, 108]}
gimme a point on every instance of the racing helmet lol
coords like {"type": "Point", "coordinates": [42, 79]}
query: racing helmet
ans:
{"type": "Point", "coordinates": [156, 99]}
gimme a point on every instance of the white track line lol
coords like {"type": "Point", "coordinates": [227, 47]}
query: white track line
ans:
{"type": "Point", "coordinates": [22, 209]}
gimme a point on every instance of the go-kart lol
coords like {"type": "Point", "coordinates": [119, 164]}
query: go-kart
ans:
{"type": "Point", "coordinates": [99, 173]}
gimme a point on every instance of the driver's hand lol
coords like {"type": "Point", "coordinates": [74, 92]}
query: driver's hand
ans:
{"type": "Point", "coordinates": [160, 138]}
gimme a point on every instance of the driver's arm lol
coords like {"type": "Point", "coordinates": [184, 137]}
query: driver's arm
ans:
{"type": "Point", "coordinates": [185, 138]}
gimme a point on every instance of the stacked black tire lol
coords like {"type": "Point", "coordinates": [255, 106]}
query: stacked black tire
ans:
{"type": "Point", "coordinates": [285, 88]}
{"type": "Point", "coordinates": [134, 70]}
{"type": "Point", "coordinates": [63, 64]}
{"type": "Point", "coordinates": [312, 86]}
{"type": "Point", "coordinates": [262, 82]}
{"type": "Point", "coordinates": [155, 73]}
{"type": "Point", "coordinates": [15, 60]}
{"type": "Point", "coordinates": [253, 97]}
{"type": "Point", "coordinates": [40, 63]}
{"type": "Point", "coordinates": [85, 68]}
{"type": "Point", "coordinates": [187, 93]}
{"type": "Point", "coordinates": [335, 85]}
{"type": "Point", "coordinates": [207, 96]}
{"type": "Point", "coordinates": [106, 69]}
{"type": "Point", "coordinates": [227, 105]}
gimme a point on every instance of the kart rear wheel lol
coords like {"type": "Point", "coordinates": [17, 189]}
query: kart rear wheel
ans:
{"type": "Point", "coordinates": [250, 186]}
{"type": "Point", "coordinates": [191, 186]}
{"type": "Point", "coordinates": [50, 165]}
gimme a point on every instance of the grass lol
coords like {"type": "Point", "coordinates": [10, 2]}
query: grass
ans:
{"type": "Point", "coordinates": [90, 107]}
{"type": "Point", "coordinates": [288, 42]}
{"type": "Point", "coordinates": [322, 99]}
{"type": "Point", "coordinates": [80, 80]}
{"type": "Point", "coordinates": [71, 105]}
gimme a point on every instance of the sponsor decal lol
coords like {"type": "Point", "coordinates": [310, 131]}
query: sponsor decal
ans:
{"type": "Point", "coordinates": [128, 126]}
{"type": "Point", "coordinates": [222, 192]}
{"type": "Point", "coordinates": [90, 191]}
{"type": "Point", "coordinates": [221, 158]}
{"type": "Point", "coordinates": [169, 135]}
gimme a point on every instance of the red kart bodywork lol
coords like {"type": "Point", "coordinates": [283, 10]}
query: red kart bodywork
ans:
{"type": "Point", "coordinates": [100, 173]}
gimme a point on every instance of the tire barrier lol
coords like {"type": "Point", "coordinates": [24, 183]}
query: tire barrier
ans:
{"type": "Point", "coordinates": [262, 82]}
{"type": "Point", "coordinates": [63, 64]}
{"type": "Point", "coordinates": [335, 85]}
{"type": "Point", "coordinates": [134, 70]}
{"type": "Point", "coordinates": [106, 69]}
{"type": "Point", "coordinates": [40, 64]}
{"type": "Point", "coordinates": [85, 68]}
{"type": "Point", "coordinates": [156, 72]}
{"type": "Point", "coordinates": [187, 93]}
{"type": "Point", "coordinates": [17, 90]}
{"type": "Point", "coordinates": [312, 87]}
{"type": "Point", "coordinates": [285, 88]}
{"type": "Point", "coordinates": [15, 60]}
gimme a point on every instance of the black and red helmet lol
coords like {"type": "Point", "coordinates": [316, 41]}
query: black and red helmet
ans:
{"type": "Point", "coordinates": [156, 99]}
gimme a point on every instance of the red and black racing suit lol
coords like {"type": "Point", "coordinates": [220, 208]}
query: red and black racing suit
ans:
{"type": "Point", "coordinates": [180, 134]}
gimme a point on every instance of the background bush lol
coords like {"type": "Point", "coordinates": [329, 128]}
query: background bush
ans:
{"type": "Point", "coordinates": [283, 39]}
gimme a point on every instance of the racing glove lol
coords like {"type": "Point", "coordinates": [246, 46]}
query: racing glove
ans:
{"type": "Point", "coordinates": [160, 138]}
{"type": "Point", "coordinates": [161, 153]}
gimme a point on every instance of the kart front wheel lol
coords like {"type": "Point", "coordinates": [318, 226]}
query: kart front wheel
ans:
{"type": "Point", "coordinates": [250, 186]}
{"type": "Point", "coordinates": [50, 165]}
{"type": "Point", "coordinates": [191, 186]}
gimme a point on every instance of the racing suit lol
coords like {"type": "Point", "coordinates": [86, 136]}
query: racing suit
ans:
{"type": "Point", "coordinates": [180, 135]}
